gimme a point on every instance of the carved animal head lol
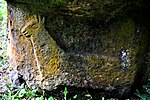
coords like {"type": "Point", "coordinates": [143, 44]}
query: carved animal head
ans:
{"type": "Point", "coordinates": [32, 25]}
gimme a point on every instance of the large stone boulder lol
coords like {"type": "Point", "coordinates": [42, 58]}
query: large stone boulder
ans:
{"type": "Point", "coordinates": [81, 43]}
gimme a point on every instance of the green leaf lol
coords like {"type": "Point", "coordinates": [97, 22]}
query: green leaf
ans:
{"type": "Point", "coordinates": [88, 95]}
{"type": "Point", "coordinates": [65, 91]}
{"type": "Point", "coordinates": [142, 96]}
{"type": "Point", "coordinates": [5, 58]}
{"type": "Point", "coordinates": [74, 97]}
{"type": "Point", "coordinates": [102, 98]}
{"type": "Point", "coordinates": [8, 87]}
{"type": "Point", "coordinates": [1, 17]}
{"type": "Point", "coordinates": [41, 98]}
{"type": "Point", "coordinates": [50, 98]}
{"type": "Point", "coordinates": [1, 64]}
{"type": "Point", "coordinates": [22, 86]}
{"type": "Point", "coordinates": [31, 93]}
{"type": "Point", "coordinates": [22, 93]}
{"type": "Point", "coordinates": [37, 98]}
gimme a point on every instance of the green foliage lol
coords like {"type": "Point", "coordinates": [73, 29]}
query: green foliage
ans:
{"type": "Point", "coordinates": [88, 95]}
{"type": "Point", "coordinates": [3, 61]}
{"type": "Point", "coordinates": [50, 98]}
{"type": "Point", "coordinates": [102, 98]}
{"type": "Point", "coordinates": [74, 97]}
{"type": "Point", "coordinates": [24, 93]}
{"type": "Point", "coordinates": [146, 94]}
{"type": "Point", "coordinates": [21, 93]}
{"type": "Point", "coordinates": [65, 93]}
{"type": "Point", "coordinates": [3, 26]}
{"type": "Point", "coordinates": [3, 17]}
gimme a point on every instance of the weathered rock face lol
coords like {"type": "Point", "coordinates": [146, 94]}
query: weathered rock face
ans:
{"type": "Point", "coordinates": [81, 45]}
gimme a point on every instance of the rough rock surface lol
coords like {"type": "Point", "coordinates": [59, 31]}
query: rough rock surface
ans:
{"type": "Point", "coordinates": [83, 44]}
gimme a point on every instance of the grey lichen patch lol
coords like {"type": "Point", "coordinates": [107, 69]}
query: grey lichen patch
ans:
{"type": "Point", "coordinates": [125, 60]}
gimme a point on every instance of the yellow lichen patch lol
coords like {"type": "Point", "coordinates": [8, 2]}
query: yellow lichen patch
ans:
{"type": "Point", "coordinates": [111, 75]}
{"type": "Point", "coordinates": [52, 68]}
{"type": "Point", "coordinates": [107, 70]}
{"type": "Point", "coordinates": [93, 60]}
{"type": "Point", "coordinates": [95, 74]}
